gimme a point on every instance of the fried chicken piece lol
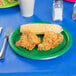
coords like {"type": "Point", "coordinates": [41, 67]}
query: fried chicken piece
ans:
{"type": "Point", "coordinates": [28, 40]}
{"type": "Point", "coordinates": [2, 2]}
{"type": "Point", "coordinates": [11, 1]}
{"type": "Point", "coordinates": [50, 40]}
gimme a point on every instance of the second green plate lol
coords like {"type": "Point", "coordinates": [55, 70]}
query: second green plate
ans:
{"type": "Point", "coordinates": [8, 4]}
{"type": "Point", "coordinates": [41, 55]}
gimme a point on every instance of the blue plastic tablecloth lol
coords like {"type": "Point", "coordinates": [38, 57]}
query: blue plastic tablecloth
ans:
{"type": "Point", "coordinates": [13, 64]}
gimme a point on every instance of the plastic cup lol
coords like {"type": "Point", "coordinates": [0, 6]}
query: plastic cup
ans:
{"type": "Point", "coordinates": [27, 7]}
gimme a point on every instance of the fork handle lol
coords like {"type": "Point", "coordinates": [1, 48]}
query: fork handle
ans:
{"type": "Point", "coordinates": [3, 49]}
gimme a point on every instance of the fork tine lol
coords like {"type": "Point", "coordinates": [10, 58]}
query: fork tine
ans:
{"type": "Point", "coordinates": [7, 32]}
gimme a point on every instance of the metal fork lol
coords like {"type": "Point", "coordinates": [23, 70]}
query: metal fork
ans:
{"type": "Point", "coordinates": [6, 35]}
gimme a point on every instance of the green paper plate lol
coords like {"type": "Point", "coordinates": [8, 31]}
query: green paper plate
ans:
{"type": "Point", "coordinates": [41, 55]}
{"type": "Point", "coordinates": [8, 4]}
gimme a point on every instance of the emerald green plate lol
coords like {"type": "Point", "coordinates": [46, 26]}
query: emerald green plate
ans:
{"type": "Point", "coordinates": [41, 55]}
{"type": "Point", "coordinates": [8, 4]}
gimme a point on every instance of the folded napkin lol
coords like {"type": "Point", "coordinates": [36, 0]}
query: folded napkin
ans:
{"type": "Point", "coordinates": [0, 29]}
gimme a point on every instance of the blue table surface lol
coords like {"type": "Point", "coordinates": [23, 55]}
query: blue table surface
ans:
{"type": "Point", "coordinates": [13, 64]}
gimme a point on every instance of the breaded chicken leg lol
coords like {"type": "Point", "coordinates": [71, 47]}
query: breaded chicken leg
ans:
{"type": "Point", "coordinates": [50, 40]}
{"type": "Point", "coordinates": [28, 40]}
